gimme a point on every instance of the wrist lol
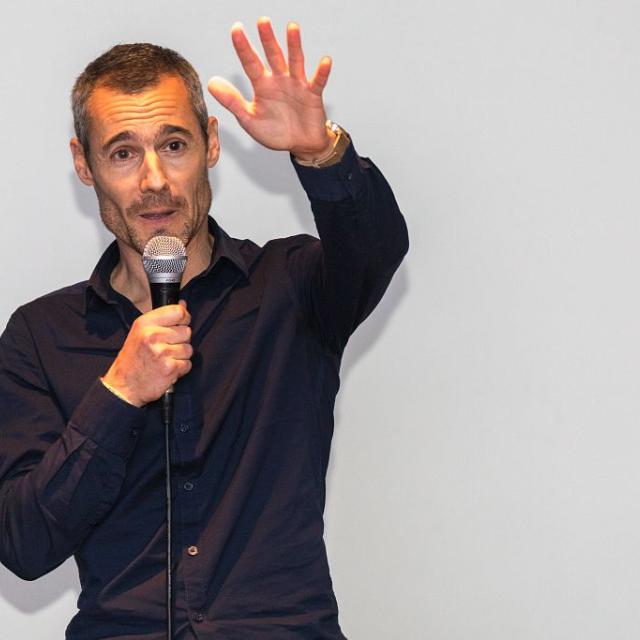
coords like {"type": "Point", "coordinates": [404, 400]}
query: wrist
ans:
{"type": "Point", "coordinates": [339, 142]}
{"type": "Point", "coordinates": [303, 155]}
{"type": "Point", "coordinates": [117, 390]}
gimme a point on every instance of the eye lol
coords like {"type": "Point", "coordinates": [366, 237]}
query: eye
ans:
{"type": "Point", "coordinates": [176, 145]}
{"type": "Point", "coordinates": [121, 154]}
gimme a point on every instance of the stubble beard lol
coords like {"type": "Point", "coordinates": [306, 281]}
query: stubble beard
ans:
{"type": "Point", "coordinates": [121, 225]}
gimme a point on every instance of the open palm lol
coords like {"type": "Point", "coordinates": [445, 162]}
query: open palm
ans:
{"type": "Point", "coordinates": [287, 112]}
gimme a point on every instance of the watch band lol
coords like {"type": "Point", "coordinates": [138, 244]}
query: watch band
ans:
{"type": "Point", "coordinates": [340, 145]}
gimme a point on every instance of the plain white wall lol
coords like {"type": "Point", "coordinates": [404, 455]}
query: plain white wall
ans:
{"type": "Point", "coordinates": [484, 480]}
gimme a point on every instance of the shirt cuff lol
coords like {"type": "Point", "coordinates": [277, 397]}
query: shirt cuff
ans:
{"type": "Point", "coordinates": [340, 181]}
{"type": "Point", "coordinates": [109, 421]}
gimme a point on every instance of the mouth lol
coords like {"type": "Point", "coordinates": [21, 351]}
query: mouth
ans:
{"type": "Point", "coordinates": [157, 214]}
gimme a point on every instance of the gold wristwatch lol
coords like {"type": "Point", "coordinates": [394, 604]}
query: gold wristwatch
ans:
{"type": "Point", "coordinates": [340, 145]}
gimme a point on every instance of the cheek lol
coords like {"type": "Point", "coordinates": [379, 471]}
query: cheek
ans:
{"type": "Point", "coordinates": [203, 190]}
{"type": "Point", "coordinates": [119, 193]}
{"type": "Point", "coordinates": [194, 185]}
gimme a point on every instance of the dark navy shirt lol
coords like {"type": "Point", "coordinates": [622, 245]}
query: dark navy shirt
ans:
{"type": "Point", "coordinates": [82, 472]}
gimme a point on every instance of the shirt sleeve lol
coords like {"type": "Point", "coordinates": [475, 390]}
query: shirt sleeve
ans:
{"type": "Point", "coordinates": [363, 238]}
{"type": "Point", "coordinates": [57, 480]}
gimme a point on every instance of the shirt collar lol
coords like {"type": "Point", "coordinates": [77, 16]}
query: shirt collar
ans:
{"type": "Point", "coordinates": [99, 285]}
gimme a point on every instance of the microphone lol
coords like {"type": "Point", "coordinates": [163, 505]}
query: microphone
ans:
{"type": "Point", "coordinates": [164, 260]}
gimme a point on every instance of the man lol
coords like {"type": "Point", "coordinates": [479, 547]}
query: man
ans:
{"type": "Point", "coordinates": [253, 350]}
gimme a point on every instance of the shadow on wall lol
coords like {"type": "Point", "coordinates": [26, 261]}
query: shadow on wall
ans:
{"type": "Point", "coordinates": [260, 168]}
{"type": "Point", "coordinates": [365, 337]}
{"type": "Point", "coordinates": [270, 171]}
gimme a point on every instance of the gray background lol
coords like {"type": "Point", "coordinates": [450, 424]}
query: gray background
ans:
{"type": "Point", "coordinates": [483, 481]}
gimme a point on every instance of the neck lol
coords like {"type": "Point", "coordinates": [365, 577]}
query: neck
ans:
{"type": "Point", "coordinates": [129, 278]}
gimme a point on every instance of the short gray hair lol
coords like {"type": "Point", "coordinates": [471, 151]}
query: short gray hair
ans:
{"type": "Point", "coordinates": [132, 68]}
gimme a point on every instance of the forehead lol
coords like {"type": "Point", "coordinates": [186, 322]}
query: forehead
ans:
{"type": "Point", "coordinates": [111, 111]}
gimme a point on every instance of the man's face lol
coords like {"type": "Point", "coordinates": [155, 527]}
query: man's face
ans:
{"type": "Point", "coordinates": [148, 163]}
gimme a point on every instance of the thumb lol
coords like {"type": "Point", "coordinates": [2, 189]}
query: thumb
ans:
{"type": "Point", "coordinates": [228, 96]}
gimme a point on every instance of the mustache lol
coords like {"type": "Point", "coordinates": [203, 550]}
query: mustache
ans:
{"type": "Point", "coordinates": [160, 200]}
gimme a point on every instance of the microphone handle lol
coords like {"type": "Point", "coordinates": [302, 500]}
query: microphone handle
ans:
{"type": "Point", "coordinates": [163, 293]}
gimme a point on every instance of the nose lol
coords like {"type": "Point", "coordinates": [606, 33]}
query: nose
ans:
{"type": "Point", "coordinates": [153, 177]}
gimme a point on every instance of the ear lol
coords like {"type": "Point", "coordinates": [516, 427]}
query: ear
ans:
{"type": "Point", "coordinates": [213, 148]}
{"type": "Point", "coordinates": [80, 162]}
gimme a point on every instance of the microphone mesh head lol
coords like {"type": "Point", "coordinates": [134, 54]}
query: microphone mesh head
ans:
{"type": "Point", "coordinates": [164, 259]}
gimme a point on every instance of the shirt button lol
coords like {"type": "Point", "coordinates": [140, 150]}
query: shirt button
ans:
{"type": "Point", "coordinates": [134, 433]}
{"type": "Point", "coordinates": [184, 428]}
{"type": "Point", "coordinates": [349, 176]}
{"type": "Point", "coordinates": [199, 617]}
{"type": "Point", "coordinates": [193, 550]}
{"type": "Point", "coordinates": [188, 486]}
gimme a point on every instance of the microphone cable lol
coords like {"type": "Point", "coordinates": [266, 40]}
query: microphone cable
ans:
{"type": "Point", "coordinates": [164, 260]}
{"type": "Point", "coordinates": [167, 419]}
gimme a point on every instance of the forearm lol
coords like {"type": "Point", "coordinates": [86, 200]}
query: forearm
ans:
{"type": "Point", "coordinates": [363, 237]}
{"type": "Point", "coordinates": [355, 209]}
{"type": "Point", "coordinates": [56, 481]}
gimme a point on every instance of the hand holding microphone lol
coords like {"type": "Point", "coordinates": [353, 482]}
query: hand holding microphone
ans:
{"type": "Point", "coordinates": [155, 354]}
{"type": "Point", "coordinates": [157, 350]}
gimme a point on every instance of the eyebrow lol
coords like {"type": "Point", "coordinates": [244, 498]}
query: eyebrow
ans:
{"type": "Point", "coordinates": [166, 130]}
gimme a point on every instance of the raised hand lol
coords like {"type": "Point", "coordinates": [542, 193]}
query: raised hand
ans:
{"type": "Point", "coordinates": [287, 112]}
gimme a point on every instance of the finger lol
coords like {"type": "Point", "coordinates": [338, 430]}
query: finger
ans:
{"type": "Point", "coordinates": [173, 369]}
{"type": "Point", "coordinates": [249, 58]}
{"type": "Point", "coordinates": [229, 97]}
{"type": "Point", "coordinates": [319, 81]}
{"type": "Point", "coordinates": [175, 335]}
{"type": "Point", "coordinates": [271, 47]}
{"type": "Point", "coordinates": [165, 354]}
{"type": "Point", "coordinates": [183, 367]}
{"type": "Point", "coordinates": [178, 351]}
{"type": "Point", "coordinates": [185, 319]}
{"type": "Point", "coordinates": [157, 336]}
{"type": "Point", "coordinates": [294, 49]}
{"type": "Point", "coordinates": [166, 316]}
